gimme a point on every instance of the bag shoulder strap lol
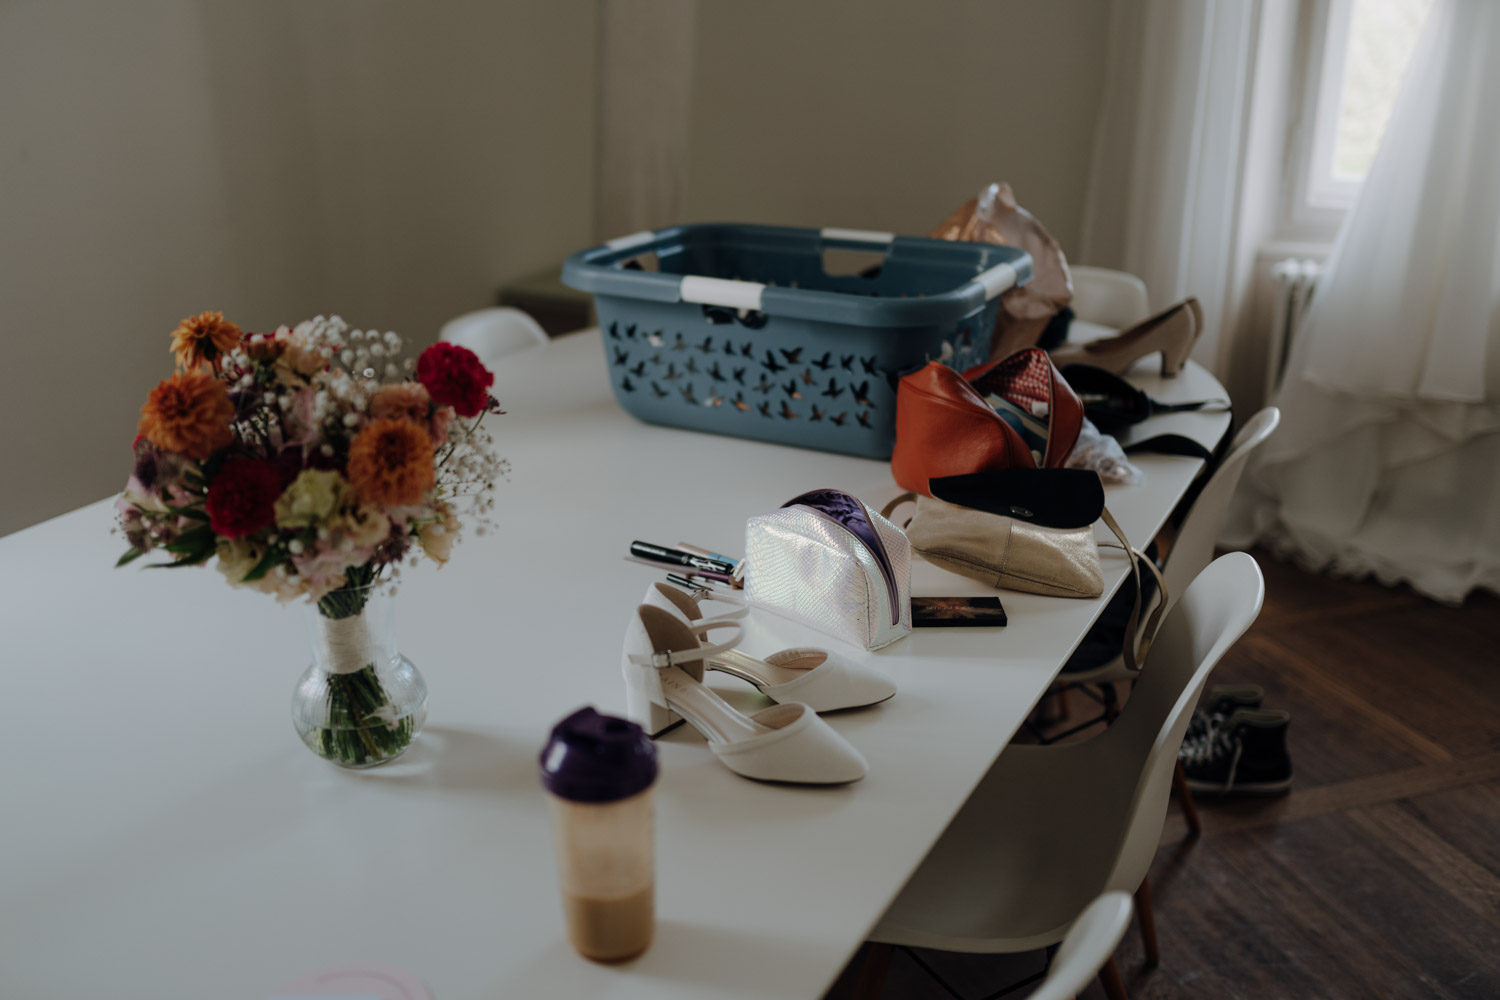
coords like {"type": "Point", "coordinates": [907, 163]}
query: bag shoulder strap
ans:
{"type": "Point", "coordinates": [885, 511]}
{"type": "Point", "coordinates": [1138, 638]}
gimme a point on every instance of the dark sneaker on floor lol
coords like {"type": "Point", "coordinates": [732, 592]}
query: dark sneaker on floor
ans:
{"type": "Point", "coordinates": [1246, 755]}
{"type": "Point", "coordinates": [1217, 705]}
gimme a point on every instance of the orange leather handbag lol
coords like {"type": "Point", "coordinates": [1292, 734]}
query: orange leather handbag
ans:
{"type": "Point", "coordinates": [947, 424]}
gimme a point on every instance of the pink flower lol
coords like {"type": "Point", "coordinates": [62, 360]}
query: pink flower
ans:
{"type": "Point", "coordinates": [411, 401]}
{"type": "Point", "coordinates": [321, 571]}
{"type": "Point", "coordinates": [301, 420]}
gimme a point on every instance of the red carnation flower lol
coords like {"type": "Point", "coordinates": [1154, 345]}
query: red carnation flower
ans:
{"type": "Point", "coordinates": [242, 498]}
{"type": "Point", "coordinates": [454, 376]}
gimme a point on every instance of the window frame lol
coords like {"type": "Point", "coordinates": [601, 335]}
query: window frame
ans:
{"type": "Point", "coordinates": [1321, 186]}
{"type": "Point", "coordinates": [1313, 211]}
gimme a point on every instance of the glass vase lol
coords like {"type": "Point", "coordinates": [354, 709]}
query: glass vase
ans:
{"type": "Point", "coordinates": [361, 703]}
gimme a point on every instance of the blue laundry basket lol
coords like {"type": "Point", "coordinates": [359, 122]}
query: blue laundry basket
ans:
{"type": "Point", "coordinates": [741, 330]}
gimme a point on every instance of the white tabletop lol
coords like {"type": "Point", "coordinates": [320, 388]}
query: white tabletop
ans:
{"type": "Point", "coordinates": [166, 834]}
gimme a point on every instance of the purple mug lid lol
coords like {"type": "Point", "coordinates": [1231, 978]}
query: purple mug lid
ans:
{"type": "Point", "coordinates": [597, 758]}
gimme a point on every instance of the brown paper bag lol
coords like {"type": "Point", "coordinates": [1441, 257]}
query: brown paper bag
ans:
{"type": "Point", "coordinates": [1025, 311]}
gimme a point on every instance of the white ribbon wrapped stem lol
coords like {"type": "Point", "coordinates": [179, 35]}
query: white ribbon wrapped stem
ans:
{"type": "Point", "coordinates": [346, 644]}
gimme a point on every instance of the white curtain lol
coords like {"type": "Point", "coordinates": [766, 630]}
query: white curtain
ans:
{"type": "Point", "coordinates": [1388, 460]}
{"type": "Point", "coordinates": [1173, 190]}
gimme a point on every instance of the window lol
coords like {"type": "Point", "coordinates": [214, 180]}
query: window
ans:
{"type": "Point", "coordinates": [1359, 62]}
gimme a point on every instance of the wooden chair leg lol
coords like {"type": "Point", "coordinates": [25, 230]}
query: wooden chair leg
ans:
{"type": "Point", "coordinates": [1062, 704]}
{"type": "Point", "coordinates": [1111, 703]}
{"type": "Point", "coordinates": [873, 968]}
{"type": "Point", "coordinates": [1185, 799]}
{"type": "Point", "coordinates": [1109, 977]}
{"type": "Point", "coordinates": [1148, 922]}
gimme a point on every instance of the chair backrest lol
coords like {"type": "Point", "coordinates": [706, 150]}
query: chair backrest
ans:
{"type": "Point", "coordinates": [1090, 942]}
{"type": "Point", "coordinates": [1108, 298]}
{"type": "Point", "coordinates": [1194, 545]}
{"type": "Point", "coordinates": [1140, 748]}
{"type": "Point", "coordinates": [494, 333]}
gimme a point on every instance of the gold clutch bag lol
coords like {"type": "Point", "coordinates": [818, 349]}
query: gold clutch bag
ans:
{"type": "Point", "coordinates": [1029, 530]}
{"type": "Point", "coordinates": [1006, 552]}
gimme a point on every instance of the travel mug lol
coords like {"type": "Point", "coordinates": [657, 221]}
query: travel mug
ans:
{"type": "Point", "coordinates": [599, 771]}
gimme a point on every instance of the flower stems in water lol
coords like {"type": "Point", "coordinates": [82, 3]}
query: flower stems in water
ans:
{"type": "Point", "coordinates": [358, 733]}
{"type": "Point", "coordinates": [360, 724]}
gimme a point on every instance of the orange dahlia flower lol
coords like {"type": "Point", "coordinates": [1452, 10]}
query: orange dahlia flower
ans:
{"type": "Point", "coordinates": [204, 337]}
{"type": "Point", "coordinates": [390, 463]}
{"type": "Point", "coordinates": [189, 414]}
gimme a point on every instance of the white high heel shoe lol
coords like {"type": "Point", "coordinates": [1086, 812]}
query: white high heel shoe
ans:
{"type": "Point", "coordinates": [824, 681]}
{"type": "Point", "coordinates": [663, 666]}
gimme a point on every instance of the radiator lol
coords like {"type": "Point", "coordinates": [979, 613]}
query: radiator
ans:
{"type": "Point", "coordinates": [1292, 282]}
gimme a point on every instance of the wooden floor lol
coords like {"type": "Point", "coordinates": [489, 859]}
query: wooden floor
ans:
{"type": "Point", "coordinates": [1379, 875]}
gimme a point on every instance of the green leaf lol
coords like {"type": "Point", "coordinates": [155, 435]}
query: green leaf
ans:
{"type": "Point", "coordinates": [192, 559]}
{"type": "Point", "coordinates": [130, 556]}
{"type": "Point", "coordinates": [191, 542]}
{"type": "Point", "coordinates": [196, 513]}
{"type": "Point", "coordinates": [268, 562]}
{"type": "Point", "coordinates": [212, 465]}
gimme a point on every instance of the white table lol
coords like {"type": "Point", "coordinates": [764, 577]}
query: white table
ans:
{"type": "Point", "coordinates": [165, 834]}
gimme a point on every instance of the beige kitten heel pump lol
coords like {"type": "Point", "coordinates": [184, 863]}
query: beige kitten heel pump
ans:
{"type": "Point", "coordinates": [1172, 332]}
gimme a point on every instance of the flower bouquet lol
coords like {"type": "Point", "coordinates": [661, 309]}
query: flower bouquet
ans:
{"type": "Point", "coordinates": [310, 464]}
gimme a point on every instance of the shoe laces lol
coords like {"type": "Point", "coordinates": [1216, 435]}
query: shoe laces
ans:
{"type": "Point", "coordinates": [1200, 737]}
{"type": "Point", "coordinates": [1215, 743]}
{"type": "Point", "coordinates": [1219, 741]}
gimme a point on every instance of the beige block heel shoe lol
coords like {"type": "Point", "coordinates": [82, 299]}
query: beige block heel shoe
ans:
{"type": "Point", "coordinates": [663, 665]}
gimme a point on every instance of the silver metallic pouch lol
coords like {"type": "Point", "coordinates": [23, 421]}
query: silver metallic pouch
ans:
{"type": "Point", "coordinates": [829, 561]}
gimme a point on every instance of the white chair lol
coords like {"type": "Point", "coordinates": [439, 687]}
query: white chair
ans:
{"type": "Point", "coordinates": [1106, 298]}
{"type": "Point", "coordinates": [1191, 551]}
{"type": "Point", "coordinates": [494, 333]}
{"type": "Point", "coordinates": [1049, 828]}
{"type": "Point", "coordinates": [1087, 948]}
{"type": "Point", "coordinates": [1193, 548]}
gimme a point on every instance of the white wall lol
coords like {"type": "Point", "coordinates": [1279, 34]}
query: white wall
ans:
{"type": "Point", "coordinates": [886, 114]}
{"type": "Point", "coordinates": [393, 162]}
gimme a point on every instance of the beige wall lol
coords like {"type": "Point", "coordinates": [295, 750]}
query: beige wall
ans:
{"type": "Point", "coordinates": [886, 114]}
{"type": "Point", "coordinates": [395, 162]}
{"type": "Point", "coordinates": [271, 159]}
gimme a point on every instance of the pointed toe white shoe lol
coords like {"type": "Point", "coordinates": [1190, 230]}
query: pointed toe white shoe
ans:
{"type": "Point", "coordinates": [663, 664]}
{"type": "Point", "coordinates": [818, 678]}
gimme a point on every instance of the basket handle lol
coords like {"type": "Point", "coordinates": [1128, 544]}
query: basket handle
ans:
{"type": "Point", "coordinates": [998, 279]}
{"type": "Point", "coordinates": [831, 235]}
{"type": "Point", "coordinates": [721, 292]}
